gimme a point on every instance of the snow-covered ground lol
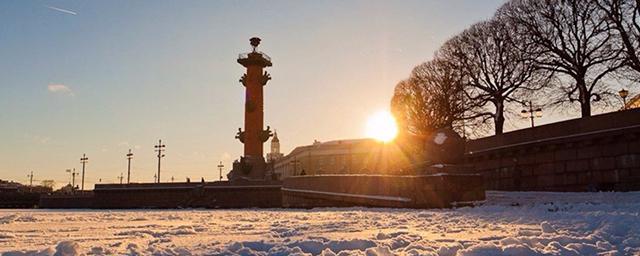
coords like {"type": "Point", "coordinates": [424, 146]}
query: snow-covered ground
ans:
{"type": "Point", "coordinates": [511, 223]}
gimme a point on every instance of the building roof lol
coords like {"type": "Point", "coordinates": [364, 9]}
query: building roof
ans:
{"type": "Point", "coordinates": [334, 144]}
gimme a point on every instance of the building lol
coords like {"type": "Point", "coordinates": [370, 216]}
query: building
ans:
{"type": "Point", "coordinates": [9, 186]}
{"type": "Point", "coordinates": [355, 156]}
{"type": "Point", "coordinates": [15, 187]}
{"type": "Point", "coordinates": [275, 154]}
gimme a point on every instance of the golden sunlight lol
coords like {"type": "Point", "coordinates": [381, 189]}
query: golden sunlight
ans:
{"type": "Point", "coordinates": [382, 126]}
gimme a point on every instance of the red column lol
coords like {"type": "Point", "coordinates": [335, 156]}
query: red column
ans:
{"type": "Point", "coordinates": [254, 112]}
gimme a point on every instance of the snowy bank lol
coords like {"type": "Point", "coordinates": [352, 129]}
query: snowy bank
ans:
{"type": "Point", "coordinates": [509, 223]}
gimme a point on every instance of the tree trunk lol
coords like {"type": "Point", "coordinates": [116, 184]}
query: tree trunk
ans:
{"type": "Point", "coordinates": [585, 108]}
{"type": "Point", "coordinates": [499, 117]}
{"type": "Point", "coordinates": [585, 98]}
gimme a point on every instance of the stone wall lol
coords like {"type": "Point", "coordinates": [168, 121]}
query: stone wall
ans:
{"type": "Point", "coordinates": [19, 200]}
{"type": "Point", "coordinates": [79, 199]}
{"type": "Point", "coordinates": [422, 191]}
{"type": "Point", "coordinates": [241, 194]}
{"type": "Point", "coordinates": [589, 154]}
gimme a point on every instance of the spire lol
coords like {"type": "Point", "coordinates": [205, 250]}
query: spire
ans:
{"type": "Point", "coordinates": [275, 137]}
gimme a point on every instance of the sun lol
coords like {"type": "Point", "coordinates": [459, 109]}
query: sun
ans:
{"type": "Point", "coordinates": [382, 126]}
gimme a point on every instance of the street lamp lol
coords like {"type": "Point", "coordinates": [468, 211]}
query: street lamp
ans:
{"type": "Point", "coordinates": [84, 161]}
{"type": "Point", "coordinates": [73, 177]}
{"type": "Point", "coordinates": [160, 149]}
{"type": "Point", "coordinates": [129, 157]}
{"type": "Point", "coordinates": [531, 113]}
{"type": "Point", "coordinates": [220, 166]}
{"type": "Point", "coordinates": [623, 94]}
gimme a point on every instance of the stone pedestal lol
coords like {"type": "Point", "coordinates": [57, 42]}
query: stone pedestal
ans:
{"type": "Point", "coordinates": [249, 168]}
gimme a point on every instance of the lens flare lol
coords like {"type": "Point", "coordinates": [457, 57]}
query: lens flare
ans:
{"type": "Point", "coordinates": [382, 126]}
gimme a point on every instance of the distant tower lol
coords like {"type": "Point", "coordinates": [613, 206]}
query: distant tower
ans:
{"type": "Point", "coordinates": [275, 144]}
{"type": "Point", "coordinates": [252, 164]}
{"type": "Point", "coordinates": [275, 154]}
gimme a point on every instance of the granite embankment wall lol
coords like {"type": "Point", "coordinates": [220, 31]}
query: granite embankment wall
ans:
{"type": "Point", "coordinates": [188, 195]}
{"type": "Point", "coordinates": [19, 199]}
{"type": "Point", "coordinates": [423, 191]}
{"type": "Point", "coordinates": [79, 199]}
{"type": "Point", "coordinates": [599, 153]}
{"type": "Point", "coordinates": [241, 194]}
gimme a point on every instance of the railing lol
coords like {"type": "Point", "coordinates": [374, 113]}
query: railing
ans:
{"type": "Point", "coordinates": [246, 55]}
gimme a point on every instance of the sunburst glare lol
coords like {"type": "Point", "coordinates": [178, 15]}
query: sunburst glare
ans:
{"type": "Point", "coordinates": [382, 126]}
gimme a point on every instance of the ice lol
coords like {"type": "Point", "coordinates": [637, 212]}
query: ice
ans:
{"type": "Point", "coordinates": [379, 251]}
{"type": "Point", "coordinates": [481, 250]}
{"type": "Point", "coordinates": [8, 218]}
{"type": "Point", "coordinates": [67, 248]}
{"type": "Point", "coordinates": [547, 228]}
{"type": "Point", "coordinates": [508, 223]}
{"type": "Point", "coordinates": [6, 236]}
{"type": "Point", "coordinates": [449, 250]}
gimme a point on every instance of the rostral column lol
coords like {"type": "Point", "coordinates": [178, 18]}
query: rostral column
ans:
{"type": "Point", "coordinates": [252, 165]}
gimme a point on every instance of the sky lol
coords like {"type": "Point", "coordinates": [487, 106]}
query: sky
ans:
{"type": "Point", "coordinates": [102, 77]}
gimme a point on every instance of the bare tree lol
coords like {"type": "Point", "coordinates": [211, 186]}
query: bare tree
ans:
{"type": "Point", "coordinates": [624, 17]}
{"type": "Point", "coordinates": [48, 183]}
{"type": "Point", "coordinates": [407, 106]}
{"type": "Point", "coordinates": [431, 99]}
{"type": "Point", "coordinates": [497, 68]}
{"type": "Point", "coordinates": [572, 39]}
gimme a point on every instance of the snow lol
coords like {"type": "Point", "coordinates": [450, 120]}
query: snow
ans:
{"type": "Point", "coordinates": [373, 197]}
{"type": "Point", "coordinates": [508, 223]}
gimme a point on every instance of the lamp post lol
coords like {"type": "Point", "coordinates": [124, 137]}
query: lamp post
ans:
{"type": "Point", "coordinates": [623, 94]}
{"type": "Point", "coordinates": [84, 161]}
{"type": "Point", "coordinates": [159, 148]}
{"type": "Point", "coordinates": [73, 177]}
{"type": "Point", "coordinates": [220, 166]}
{"type": "Point", "coordinates": [129, 157]}
{"type": "Point", "coordinates": [30, 181]}
{"type": "Point", "coordinates": [531, 113]}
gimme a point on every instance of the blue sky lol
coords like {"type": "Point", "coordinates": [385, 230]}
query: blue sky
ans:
{"type": "Point", "coordinates": [100, 77]}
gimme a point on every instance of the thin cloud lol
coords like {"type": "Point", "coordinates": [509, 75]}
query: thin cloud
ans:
{"type": "Point", "coordinates": [126, 144]}
{"type": "Point", "coordinates": [43, 140]}
{"type": "Point", "coordinates": [60, 88]}
{"type": "Point", "coordinates": [62, 10]}
{"type": "Point", "coordinates": [37, 138]}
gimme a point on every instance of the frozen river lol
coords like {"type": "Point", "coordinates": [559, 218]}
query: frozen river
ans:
{"type": "Point", "coordinates": [508, 223]}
